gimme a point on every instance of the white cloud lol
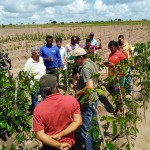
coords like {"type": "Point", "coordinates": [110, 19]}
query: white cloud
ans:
{"type": "Point", "coordinates": [50, 10]}
{"type": "Point", "coordinates": [40, 11]}
{"type": "Point", "coordinates": [124, 9]}
{"type": "Point", "coordinates": [108, 12]}
{"type": "Point", "coordinates": [78, 7]}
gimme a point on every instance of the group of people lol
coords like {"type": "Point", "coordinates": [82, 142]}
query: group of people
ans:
{"type": "Point", "coordinates": [58, 116]}
{"type": "Point", "coordinates": [120, 50]}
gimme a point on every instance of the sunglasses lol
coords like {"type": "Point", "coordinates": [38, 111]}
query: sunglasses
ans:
{"type": "Point", "coordinates": [37, 53]}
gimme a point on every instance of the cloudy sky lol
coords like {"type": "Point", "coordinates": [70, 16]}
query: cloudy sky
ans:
{"type": "Point", "coordinates": [42, 11]}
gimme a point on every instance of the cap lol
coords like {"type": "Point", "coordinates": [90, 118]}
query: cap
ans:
{"type": "Point", "coordinates": [91, 34]}
{"type": "Point", "coordinates": [48, 80]}
{"type": "Point", "coordinates": [34, 48]}
{"type": "Point", "coordinates": [77, 52]}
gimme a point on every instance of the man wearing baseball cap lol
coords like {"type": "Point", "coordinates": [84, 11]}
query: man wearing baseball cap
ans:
{"type": "Point", "coordinates": [57, 117]}
{"type": "Point", "coordinates": [84, 82]}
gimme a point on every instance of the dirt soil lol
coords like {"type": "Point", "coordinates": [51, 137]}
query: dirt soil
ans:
{"type": "Point", "coordinates": [132, 33]}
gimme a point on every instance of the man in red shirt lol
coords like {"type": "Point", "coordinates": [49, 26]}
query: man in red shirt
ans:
{"type": "Point", "coordinates": [91, 48]}
{"type": "Point", "coordinates": [56, 118]}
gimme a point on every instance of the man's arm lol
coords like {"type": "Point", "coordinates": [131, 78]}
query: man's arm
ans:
{"type": "Point", "coordinates": [126, 54]}
{"type": "Point", "coordinates": [77, 122]}
{"type": "Point", "coordinates": [47, 140]}
{"type": "Point", "coordinates": [65, 56]}
{"type": "Point", "coordinates": [89, 85]}
{"type": "Point", "coordinates": [100, 43]}
{"type": "Point", "coordinates": [59, 59]}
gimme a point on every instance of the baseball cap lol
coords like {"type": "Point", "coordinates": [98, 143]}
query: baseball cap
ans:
{"type": "Point", "coordinates": [48, 80]}
{"type": "Point", "coordinates": [91, 34]}
{"type": "Point", "coordinates": [77, 52]}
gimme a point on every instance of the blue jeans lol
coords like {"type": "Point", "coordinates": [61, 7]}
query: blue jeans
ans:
{"type": "Point", "coordinates": [34, 97]}
{"type": "Point", "coordinates": [88, 113]}
{"type": "Point", "coordinates": [129, 80]}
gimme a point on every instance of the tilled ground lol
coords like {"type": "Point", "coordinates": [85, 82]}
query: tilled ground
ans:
{"type": "Point", "coordinates": [133, 34]}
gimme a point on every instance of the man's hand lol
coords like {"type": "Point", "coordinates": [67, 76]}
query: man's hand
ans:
{"type": "Point", "coordinates": [99, 38]}
{"type": "Point", "coordinates": [56, 137]}
{"type": "Point", "coordinates": [64, 146]}
{"type": "Point", "coordinates": [110, 64]}
{"type": "Point", "coordinates": [106, 63]}
{"type": "Point", "coordinates": [76, 95]}
{"type": "Point", "coordinates": [49, 59]}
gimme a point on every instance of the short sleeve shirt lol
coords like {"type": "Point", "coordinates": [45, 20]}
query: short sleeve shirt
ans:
{"type": "Point", "coordinates": [127, 48]}
{"type": "Point", "coordinates": [94, 42]}
{"type": "Point", "coordinates": [115, 59]}
{"type": "Point", "coordinates": [70, 48]}
{"type": "Point", "coordinates": [63, 53]}
{"type": "Point", "coordinates": [54, 114]}
{"type": "Point", "coordinates": [85, 73]}
{"type": "Point", "coordinates": [36, 68]}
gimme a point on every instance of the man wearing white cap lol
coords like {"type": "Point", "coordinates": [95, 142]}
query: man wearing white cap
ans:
{"type": "Point", "coordinates": [84, 82]}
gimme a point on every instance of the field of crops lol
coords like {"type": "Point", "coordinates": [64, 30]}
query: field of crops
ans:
{"type": "Point", "coordinates": [18, 42]}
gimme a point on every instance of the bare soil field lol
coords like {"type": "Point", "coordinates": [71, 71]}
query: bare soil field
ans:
{"type": "Point", "coordinates": [20, 51]}
{"type": "Point", "coordinates": [132, 34]}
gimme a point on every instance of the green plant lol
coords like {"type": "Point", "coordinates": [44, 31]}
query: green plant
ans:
{"type": "Point", "coordinates": [15, 117]}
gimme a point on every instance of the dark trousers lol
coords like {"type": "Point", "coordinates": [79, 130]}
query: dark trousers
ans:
{"type": "Point", "coordinates": [54, 72]}
{"type": "Point", "coordinates": [45, 147]}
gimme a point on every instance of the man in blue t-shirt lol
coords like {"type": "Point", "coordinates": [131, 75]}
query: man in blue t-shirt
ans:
{"type": "Point", "coordinates": [51, 56]}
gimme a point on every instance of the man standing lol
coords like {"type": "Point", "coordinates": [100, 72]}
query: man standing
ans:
{"type": "Point", "coordinates": [78, 41]}
{"type": "Point", "coordinates": [70, 48]}
{"type": "Point", "coordinates": [84, 82]}
{"type": "Point", "coordinates": [125, 46]}
{"type": "Point", "coordinates": [91, 48]}
{"type": "Point", "coordinates": [63, 52]}
{"type": "Point", "coordinates": [35, 66]}
{"type": "Point", "coordinates": [51, 56]}
{"type": "Point", "coordinates": [128, 52]}
{"type": "Point", "coordinates": [56, 118]}
{"type": "Point", "coordinates": [93, 41]}
{"type": "Point", "coordinates": [91, 44]}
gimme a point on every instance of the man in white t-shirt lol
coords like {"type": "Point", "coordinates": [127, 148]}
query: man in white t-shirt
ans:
{"type": "Point", "coordinates": [35, 66]}
{"type": "Point", "coordinates": [71, 46]}
{"type": "Point", "coordinates": [63, 52]}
